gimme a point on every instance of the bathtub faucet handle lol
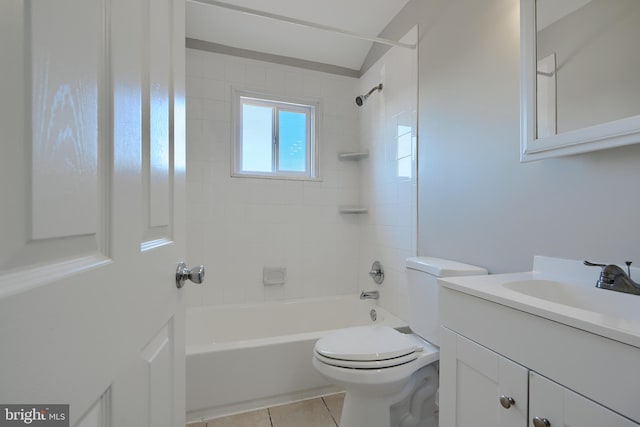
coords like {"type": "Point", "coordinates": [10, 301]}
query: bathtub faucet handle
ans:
{"type": "Point", "coordinates": [377, 272]}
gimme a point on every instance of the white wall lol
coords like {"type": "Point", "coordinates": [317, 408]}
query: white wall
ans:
{"type": "Point", "coordinates": [236, 226]}
{"type": "Point", "coordinates": [477, 202]}
{"type": "Point", "coordinates": [388, 232]}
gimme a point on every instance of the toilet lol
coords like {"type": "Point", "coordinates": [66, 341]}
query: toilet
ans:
{"type": "Point", "coordinates": [390, 377]}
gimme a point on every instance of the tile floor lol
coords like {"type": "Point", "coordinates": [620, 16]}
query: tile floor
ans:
{"type": "Point", "coordinates": [320, 412]}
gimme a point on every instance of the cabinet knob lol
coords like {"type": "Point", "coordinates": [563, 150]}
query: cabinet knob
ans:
{"type": "Point", "coordinates": [507, 401]}
{"type": "Point", "coordinates": [541, 422]}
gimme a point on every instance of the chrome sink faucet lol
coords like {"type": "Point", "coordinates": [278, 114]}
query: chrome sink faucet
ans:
{"type": "Point", "coordinates": [614, 278]}
{"type": "Point", "coordinates": [369, 295]}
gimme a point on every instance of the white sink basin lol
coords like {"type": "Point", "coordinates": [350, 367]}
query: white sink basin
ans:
{"type": "Point", "coordinates": [581, 297]}
{"type": "Point", "coordinates": [563, 291]}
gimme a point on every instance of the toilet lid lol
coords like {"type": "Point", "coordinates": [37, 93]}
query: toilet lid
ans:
{"type": "Point", "coordinates": [366, 343]}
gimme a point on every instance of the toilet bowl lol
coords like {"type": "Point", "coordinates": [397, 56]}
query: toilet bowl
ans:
{"type": "Point", "coordinates": [378, 367]}
{"type": "Point", "coordinates": [391, 378]}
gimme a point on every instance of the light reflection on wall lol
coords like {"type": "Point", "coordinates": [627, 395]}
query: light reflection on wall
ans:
{"type": "Point", "coordinates": [404, 144]}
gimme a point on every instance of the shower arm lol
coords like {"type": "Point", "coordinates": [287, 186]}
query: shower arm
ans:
{"type": "Point", "coordinates": [375, 88]}
{"type": "Point", "coordinates": [360, 99]}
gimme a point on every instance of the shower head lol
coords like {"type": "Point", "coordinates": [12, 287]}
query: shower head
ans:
{"type": "Point", "coordinates": [360, 99]}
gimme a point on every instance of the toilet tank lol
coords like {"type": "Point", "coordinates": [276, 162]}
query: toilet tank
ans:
{"type": "Point", "coordinates": [423, 274]}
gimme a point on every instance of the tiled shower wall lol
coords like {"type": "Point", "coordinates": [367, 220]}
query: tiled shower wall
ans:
{"type": "Point", "coordinates": [388, 129]}
{"type": "Point", "coordinates": [237, 226]}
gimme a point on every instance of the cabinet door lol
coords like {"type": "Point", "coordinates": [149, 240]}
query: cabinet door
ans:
{"type": "Point", "coordinates": [472, 381]}
{"type": "Point", "coordinates": [563, 408]}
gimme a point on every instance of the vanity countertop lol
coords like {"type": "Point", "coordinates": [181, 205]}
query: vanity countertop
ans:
{"type": "Point", "coordinates": [563, 291]}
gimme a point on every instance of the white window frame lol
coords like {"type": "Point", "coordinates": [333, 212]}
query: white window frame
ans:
{"type": "Point", "coordinates": [310, 107]}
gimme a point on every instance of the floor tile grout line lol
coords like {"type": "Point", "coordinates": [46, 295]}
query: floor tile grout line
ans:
{"type": "Point", "coordinates": [322, 398]}
{"type": "Point", "coordinates": [270, 420]}
{"type": "Point", "coordinates": [328, 410]}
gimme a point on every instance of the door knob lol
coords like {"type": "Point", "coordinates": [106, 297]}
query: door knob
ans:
{"type": "Point", "coordinates": [184, 273]}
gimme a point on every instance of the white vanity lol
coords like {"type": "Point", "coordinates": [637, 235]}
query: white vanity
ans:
{"type": "Point", "coordinates": [543, 348]}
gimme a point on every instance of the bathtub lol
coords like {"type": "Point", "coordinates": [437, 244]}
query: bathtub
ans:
{"type": "Point", "coordinates": [245, 357]}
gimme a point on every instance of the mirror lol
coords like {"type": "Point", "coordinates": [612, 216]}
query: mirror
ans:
{"type": "Point", "coordinates": [580, 87]}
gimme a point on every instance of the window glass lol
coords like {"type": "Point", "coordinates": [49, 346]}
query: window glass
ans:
{"type": "Point", "coordinates": [257, 138]}
{"type": "Point", "coordinates": [292, 152]}
{"type": "Point", "coordinates": [274, 138]}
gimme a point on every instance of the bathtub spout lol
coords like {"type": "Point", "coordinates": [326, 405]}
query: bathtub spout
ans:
{"type": "Point", "coordinates": [369, 295]}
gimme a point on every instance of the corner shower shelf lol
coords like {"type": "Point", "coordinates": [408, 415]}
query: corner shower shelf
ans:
{"type": "Point", "coordinates": [353, 210]}
{"type": "Point", "coordinates": [354, 155]}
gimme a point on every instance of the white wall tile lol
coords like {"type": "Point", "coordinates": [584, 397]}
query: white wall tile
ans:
{"type": "Point", "coordinates": [252, 223]}
{"type": "Point", "coordinates": [195, 86]}
{"type": "Point", "coordinates": [388, 234]}
{"type": "Point", "coordinates": [213, 68]}
{"type": "Point", "coordinates": [312, 85]}
{"type": "Point", "coordinates": [194, 63]}
{"type": "Point", "coordinates": [275, 80]}
{"type": "Point", "coordinates": [293, 83]}
{"type": "Point", "coordinates": [213, 109]}
{"type": "Point", "coordinates": [214, 89]}
{"type": "Point", "coordinates": [256, 76]}
{"type": "Point", "coordinates": [235, 71]}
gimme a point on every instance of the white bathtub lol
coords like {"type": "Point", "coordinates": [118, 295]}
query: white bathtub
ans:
{"type": "Point", "coordinates": [250, 356]}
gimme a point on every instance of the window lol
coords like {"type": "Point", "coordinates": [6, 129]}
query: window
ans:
{"type": "Point", "coordinates": [274, 137]}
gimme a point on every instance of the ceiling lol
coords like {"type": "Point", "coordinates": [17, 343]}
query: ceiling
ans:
{"type": "Point", "coordinates": [244, 31]}
{"type": "Point", "coordinates": [550, 11]}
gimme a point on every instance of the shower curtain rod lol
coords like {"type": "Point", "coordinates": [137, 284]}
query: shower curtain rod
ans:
{"type": "Point", "coordinates": [303, 23]}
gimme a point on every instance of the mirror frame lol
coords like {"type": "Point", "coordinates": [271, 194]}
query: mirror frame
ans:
{"type": "Point", "coordinates": [612, 134]}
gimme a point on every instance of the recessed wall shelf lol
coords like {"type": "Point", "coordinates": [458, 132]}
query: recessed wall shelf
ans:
{"type": "Point", "coordinates": [353, 210]}
{"type": "Point", "coordinates": [354, 155]}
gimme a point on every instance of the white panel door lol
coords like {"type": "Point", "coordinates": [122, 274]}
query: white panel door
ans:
{"type": "Point", "coordinates": [473, 379]}
{"type": "Point", "coordinates": [92, 166]}
{"type": "Point", "coordinates": [561, 407]}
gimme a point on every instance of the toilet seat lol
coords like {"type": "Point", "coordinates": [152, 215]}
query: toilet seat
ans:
{"type": "Point", "coordinates": [373, 364]}
{"type": "Point", "coordinates": [367, 347]}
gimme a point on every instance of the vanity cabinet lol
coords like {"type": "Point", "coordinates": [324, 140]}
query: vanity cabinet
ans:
{"type": "Point", "coordinates": [490, 352]}
{"type": "Point", "coordinates": [476, 382]}
{"type": "Point", "coordinates": [479, 387]}
{"type": "Point", "coordinates": [562, 407]}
